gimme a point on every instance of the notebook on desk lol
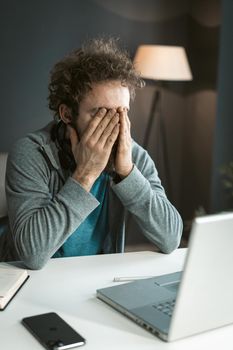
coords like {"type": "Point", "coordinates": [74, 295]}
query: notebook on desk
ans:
{"type": "Point", "coordinates": [11, 280]}
{"type": "Point", "coordinates": [178, 305]}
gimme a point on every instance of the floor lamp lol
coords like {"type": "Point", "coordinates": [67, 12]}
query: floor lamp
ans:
{"type": "Point", "coordinates": [161, 63]}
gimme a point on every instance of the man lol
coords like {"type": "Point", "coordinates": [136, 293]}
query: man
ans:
{"type": "Point", "coordinates": [70, 184]}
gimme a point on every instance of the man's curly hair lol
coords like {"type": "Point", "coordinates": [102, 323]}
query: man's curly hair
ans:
{"type": "Point", "coordinates": [98, 60]}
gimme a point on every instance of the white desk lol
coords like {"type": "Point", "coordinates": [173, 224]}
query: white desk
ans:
{"type": "Point", "coordinates": [67, 286]}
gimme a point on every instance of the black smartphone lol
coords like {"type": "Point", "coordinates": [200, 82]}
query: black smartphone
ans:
{"type": "Point", "coordinates": [53, 332]}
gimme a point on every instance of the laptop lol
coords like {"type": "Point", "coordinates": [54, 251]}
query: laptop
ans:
{"type": "Point", "coordinates": [181, 304]}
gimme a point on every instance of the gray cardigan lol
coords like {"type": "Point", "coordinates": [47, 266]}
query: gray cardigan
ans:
{"type": "Point", "coordinates": [45, 205]}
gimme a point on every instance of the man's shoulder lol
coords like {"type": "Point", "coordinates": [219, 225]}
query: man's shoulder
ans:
{"type": "Point", "coordinates": [38, 137]}
{"type": "Point", "coordinates": [141, 158]}
{"type": "Point", "coordinates": [138, 151]}
{"type": "Point", "coordinates": [33, 140]}
{"type": "Point", "coordinates": [29, 146]}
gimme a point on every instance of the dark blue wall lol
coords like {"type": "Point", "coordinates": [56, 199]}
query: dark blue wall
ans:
{"type": "Point", "coordinates": [35, 34]}
{"type": "Point", "coordinates": [223, 147]}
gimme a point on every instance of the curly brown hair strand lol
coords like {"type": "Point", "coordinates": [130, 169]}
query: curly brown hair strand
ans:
{"type": "Point", "coordinates": [96, 61]}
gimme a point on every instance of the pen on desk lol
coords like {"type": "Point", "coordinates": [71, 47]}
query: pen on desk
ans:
{"type": "Point", "coordinates": [131, 278]}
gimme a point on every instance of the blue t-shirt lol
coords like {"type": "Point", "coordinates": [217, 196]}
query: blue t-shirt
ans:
{"type": "Point", "coordinates": [88, 238]}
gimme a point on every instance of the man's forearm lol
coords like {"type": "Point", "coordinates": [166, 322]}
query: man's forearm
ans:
{"type": "Point", "coordinates": [40, 229]}
{"type": "Point", "coordinates": [157, 217]}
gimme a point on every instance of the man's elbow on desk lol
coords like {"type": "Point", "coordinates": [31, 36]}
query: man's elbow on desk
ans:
{"type": "Point", "coordinates": [34, 262]}
{"type": "Point", "coordinates": [171, 242]}
{"type": "Point", "coordinates": [170, 247]}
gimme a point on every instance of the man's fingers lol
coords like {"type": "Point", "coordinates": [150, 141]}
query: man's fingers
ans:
{"type": "Point", "coordinates": [109, 128]}
{"type": "Point", "coordinates": [127, 120]}
{"type": "Point", "coordinates": [123, 126]}
{"type": "Point", "coordinates": [125, 123]}
{"type": "Point", "coordinates": [113, 136]}
{"type": "Point", "coordinates": [102, 126]}
{"type": "Point", "coordinates": [94, 123]}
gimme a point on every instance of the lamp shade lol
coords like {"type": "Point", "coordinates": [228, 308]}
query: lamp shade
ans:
{"type": "Point", "coordinates": [162, 62]}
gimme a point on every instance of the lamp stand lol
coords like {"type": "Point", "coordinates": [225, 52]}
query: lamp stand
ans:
{"type": "Point", "coordinates": [155, 112]}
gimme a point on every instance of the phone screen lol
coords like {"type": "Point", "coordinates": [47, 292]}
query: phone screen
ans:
{"type": "Point", "coordinates": [53, 332]}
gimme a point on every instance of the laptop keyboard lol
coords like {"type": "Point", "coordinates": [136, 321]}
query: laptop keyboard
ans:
{"type": "Point", "coordinates": [166, 307]}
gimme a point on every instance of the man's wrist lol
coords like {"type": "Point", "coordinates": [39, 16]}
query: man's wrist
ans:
{"type": "Point", "coordinates": [125, 173]}
{"type": "Point", "coordinates": [85, 181]}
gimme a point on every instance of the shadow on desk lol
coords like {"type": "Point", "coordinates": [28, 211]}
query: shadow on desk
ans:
{"type": "Point", "coordinates": [150, 246]}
